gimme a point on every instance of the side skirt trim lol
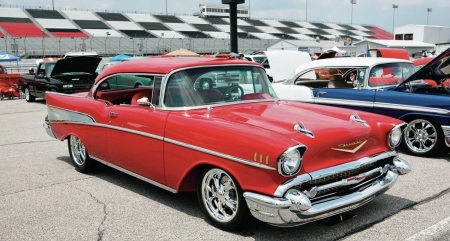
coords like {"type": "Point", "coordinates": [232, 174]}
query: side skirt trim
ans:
{"type": "Point", "coordinates": [135, 175]}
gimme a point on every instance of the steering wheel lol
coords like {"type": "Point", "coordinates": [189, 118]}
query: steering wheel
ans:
{"type": "Point", "coordinates": [227, 94]}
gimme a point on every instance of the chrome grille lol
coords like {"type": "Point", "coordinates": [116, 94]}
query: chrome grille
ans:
{"type": "Point", "coordinates": [339, 190]}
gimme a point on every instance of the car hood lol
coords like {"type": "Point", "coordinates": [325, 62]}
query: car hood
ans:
{"type": "Point", "coordinates": [438, 69]}
{"type": "Point", "coordinates": [76, 64]}
{"type": "Point", "coordinates": [336, 139]}
{"type": "Point", "coordinates": [283, 62]}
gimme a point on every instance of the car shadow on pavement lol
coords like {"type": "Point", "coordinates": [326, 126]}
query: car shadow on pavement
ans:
{"type": "Point", "coordinates": [362, 217]}
{"type": "Point", "coordinates": [444, 153]}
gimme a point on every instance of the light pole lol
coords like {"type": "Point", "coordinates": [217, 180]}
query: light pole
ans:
{"type": "Point", "coordinates": [53, 5]}
{"type": "Point", "coordinates": [353, 2]}
{"type": "Point", "coordinates": [166, 7]}
{"type": "Point", "coordinates": [107, 34]}
{"type": "Point", "coordinates": [428, 10]}
{"type": "Point", "coordinates": [306, 10]}
{"type": "Point", "coordinates": [394, 6]}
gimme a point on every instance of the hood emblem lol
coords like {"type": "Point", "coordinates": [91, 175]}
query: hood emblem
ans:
{"type": "Point", "coordinates": [361, 144]}
{"type": "Point", "coordinates": [355, 118]}
{"type": "Point", "coordinates": [300, 127]}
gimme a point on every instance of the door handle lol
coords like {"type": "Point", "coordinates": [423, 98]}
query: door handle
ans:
{"type": "Point", "coordinates": [113, 114]}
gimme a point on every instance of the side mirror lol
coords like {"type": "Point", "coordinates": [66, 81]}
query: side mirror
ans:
{"type": "Point", "coordinates": [144, 101]}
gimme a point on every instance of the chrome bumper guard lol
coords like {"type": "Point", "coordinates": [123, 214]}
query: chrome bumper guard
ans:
{"type": "Point", "coordinates": [295, 207]}
{"type": "Point", "coordinates": [48, 129]}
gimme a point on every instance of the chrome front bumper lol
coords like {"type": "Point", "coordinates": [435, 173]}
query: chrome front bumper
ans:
{"type": "Point", "coordinates": [294, 207]}
{"type": "Point", "coordinates": [48, 129]}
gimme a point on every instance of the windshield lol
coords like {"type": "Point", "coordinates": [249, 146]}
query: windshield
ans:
{"type": "Point", "coordinates": [204, 86]}
{"type": "Point", "coordinates": [390, 74]}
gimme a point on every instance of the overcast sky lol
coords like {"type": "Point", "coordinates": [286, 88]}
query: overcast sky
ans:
{"type": "Point", "coordinates": [376, 12]}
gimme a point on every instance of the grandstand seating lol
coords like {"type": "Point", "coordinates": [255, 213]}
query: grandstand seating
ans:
{"type": "Point", "coordinates": [38, 32]}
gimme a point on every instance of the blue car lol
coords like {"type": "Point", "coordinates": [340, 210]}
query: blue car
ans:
{"type": "Point", "coordinates": [385, 86]}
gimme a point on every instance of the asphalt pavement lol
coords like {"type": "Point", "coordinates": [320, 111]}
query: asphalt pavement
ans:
{"type": "Point", "coordinates": [42, 197]}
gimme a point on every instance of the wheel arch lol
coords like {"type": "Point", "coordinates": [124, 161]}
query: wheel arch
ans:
{"type": "Point", "coordinates": [188, 183]}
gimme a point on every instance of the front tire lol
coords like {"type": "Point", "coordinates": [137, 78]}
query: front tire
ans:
{"type": "Point", "coordinates": [79, 156]}
{"type": "Point", "coordinates": [423, 137]}
{"type": "Point", "coordinates": [221, 199]}
{"type": "Point", "coordinates": [28, 96]}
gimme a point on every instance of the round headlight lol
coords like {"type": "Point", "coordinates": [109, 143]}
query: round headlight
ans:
{"type": "Point", "coordinates": [395, 136]}
{"type": "Point", "coordinates": [289, 162]}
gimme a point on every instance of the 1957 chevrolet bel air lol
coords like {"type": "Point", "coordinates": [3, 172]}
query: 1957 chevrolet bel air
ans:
{"type": "Point", "coordinates": [238, 146]}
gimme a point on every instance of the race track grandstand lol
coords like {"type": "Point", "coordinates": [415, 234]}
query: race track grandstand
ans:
{"type": "Point", "coordinates": [30, 32]}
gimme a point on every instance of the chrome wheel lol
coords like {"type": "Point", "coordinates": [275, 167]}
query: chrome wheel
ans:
{"type": "Point", "coordinates": [205, 84]}
{"type": "Point", "coordinates": [420, 136]}
{"type": "Point", "coordinates": [77, 150]}
{"type": "Point", "coordinates": [27, 94]}
{"type": "Point", "coordinates": [220, 195]}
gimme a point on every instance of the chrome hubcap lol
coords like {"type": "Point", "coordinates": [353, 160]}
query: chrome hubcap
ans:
{"type": "Point", "coordinates": [420, 136]}
{"type": "Point", "coordinates": [219, 195]}
{"type": "Point", "coordinates": [78, 150]}
{"type": "Point", "coordinates": [205, 85]}
{"type": "Point", "coordinates": [27, 94]}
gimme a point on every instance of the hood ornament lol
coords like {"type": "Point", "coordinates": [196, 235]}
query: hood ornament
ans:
{"type": "Point", "coordinates": [300, 127]}
{"type": "Point", "coordinates": [355, 118]}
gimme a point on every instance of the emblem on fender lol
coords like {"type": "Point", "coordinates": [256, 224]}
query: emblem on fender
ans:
{"type": "Point", "coordinates": [361, 144]}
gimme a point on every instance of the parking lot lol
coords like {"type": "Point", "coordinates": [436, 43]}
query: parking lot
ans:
{"type": "Point", "coordinates": [42, 197]}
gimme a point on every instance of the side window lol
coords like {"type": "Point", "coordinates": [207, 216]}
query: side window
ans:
{"type": "Point", "coordinates": [41, 70]}
{"type": "Point", "coordinates": [126, 89]}
{"type": "Point", "coordinates": [157, 90]}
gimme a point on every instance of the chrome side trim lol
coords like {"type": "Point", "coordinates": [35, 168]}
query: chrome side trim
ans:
{"type": "Point", "coordinates": [56, 114]}
{"type": "Point", "coordinates": [214, 153]}
{"type": "Point", "coordinates": [446, 130]}
{"type": "Point", "coordinates": [70, 94]}
{"type": "Point", "coordinates": [343, 102]}
{"type": "Point", "coordinates": [204, 150]}
{"type": "Point", "coordinates": [135, 175]}
{"type": "Point", "coordinates": [381, 105]}
{"type": "Point", "coordinates": [283, 188]}
{"type": "Point", "coordinates": [412, 108]}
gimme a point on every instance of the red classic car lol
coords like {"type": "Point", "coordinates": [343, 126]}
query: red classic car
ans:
{"type": "Point", "coordinates": [239, 147]}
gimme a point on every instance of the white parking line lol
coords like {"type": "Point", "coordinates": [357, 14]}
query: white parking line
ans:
{"type": "Point", "coordinates": [443, 225]}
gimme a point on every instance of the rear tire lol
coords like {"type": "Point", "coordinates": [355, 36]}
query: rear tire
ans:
{"type": "Point", "coordinates": [28, 96]}
{"type": "Point", "coordinates": [79, 156]}
{"type": "Point", "coordinates": [221, 199]}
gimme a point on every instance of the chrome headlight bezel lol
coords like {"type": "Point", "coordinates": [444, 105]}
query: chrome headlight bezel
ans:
{"type": "Point", "coordinates": [292, 156]}
{"type": "Point", "coordinates": [394, 137]}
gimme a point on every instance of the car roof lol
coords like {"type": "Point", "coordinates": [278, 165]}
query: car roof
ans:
{"type": "Point", "coordinates": [165, 65]}
{"type": "Point", "coordinates": [348, 62]}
